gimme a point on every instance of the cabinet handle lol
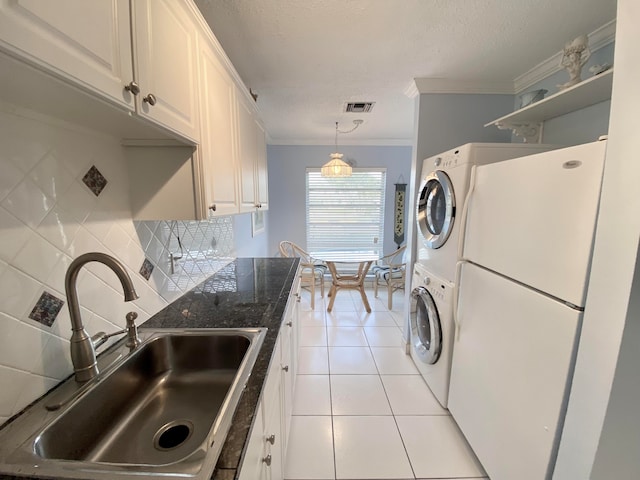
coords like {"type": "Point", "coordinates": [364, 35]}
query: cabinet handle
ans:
{"type": "Point", "coordinates": [271, 439]}
{"type": "Point", "coordinates": [289, 324]}
{"type": "Point", "coordinates": [150, 99]}
{"type": "Point", "coordinates": [213, 207]}
{"type": "Point", "coordinates": [258, 205]}
{"type": "Point", "coordinates": [267, 460]}
{"type": "Point", "coordinates": [133, 87]}
{"type": "Point", "coordinates": [286, 368]}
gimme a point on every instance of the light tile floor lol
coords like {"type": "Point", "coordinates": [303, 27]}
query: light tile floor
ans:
{"type": "Point", "coordinates": [362, 410]}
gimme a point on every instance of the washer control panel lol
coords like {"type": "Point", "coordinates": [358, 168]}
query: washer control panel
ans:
{"type": "Point", "coordinates": [422, 278]}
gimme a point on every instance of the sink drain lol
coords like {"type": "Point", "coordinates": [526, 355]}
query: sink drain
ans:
{"type": "Point", "coordinates": [173, 434]}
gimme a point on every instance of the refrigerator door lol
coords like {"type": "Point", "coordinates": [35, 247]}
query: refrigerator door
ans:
{"type": "Point", "coordinates": [511, 371]}
{"type": "Point", "coordinates": [533, 218]}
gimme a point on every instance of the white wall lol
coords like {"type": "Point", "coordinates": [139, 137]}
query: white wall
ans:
{"type": "Point", "coordinates": [611, 300]}
{"type": "Point", "coordinates": [287, 185]}
{"type": "Point", "coordinates": [617, 454]}
{"type": "Point", "coordinates": [248, 243]}
{"type": "Point", "coordinates": [446, 121]}
{"type": "Point", "coordinates": [48, 216]}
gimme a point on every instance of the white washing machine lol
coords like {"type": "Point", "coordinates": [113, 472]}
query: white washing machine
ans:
{"type": "Point", "coordinates": [444, 186]}
{"type": "Point", "coordinates": [432, 330]}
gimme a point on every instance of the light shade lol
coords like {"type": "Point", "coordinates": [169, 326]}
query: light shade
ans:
{"type": "Point", "coordinates": [336, 167]}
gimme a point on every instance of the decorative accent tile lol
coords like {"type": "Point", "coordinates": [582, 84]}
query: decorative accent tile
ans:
{"type": "Point", "coordinates": [47, 308]}
{"type": "Point", "coordinates": [147, 269]}
{"type": "Point", "coordinates": [94, 180]}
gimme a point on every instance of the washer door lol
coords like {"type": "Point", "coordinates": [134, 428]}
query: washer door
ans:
{"type": "Point", "coordinates": [426, 331]}
{"type": "Point", "coordinates": [436, 209]}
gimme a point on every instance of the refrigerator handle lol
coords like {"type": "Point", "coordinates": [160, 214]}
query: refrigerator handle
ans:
{"type": "Point", "coordinates": [461, 259]}
{"type": "Point", "coordinates": [465, 211]}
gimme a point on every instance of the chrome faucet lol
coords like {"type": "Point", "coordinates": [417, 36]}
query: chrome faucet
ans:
{"type": "Point", "coordinates": [83, 347]}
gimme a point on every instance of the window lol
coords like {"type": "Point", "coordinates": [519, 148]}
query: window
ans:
{"type": "Point", "coordinates": [346, 214]}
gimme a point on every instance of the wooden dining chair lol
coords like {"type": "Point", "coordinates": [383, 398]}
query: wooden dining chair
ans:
{"type": "Point", "coordinates": [389, 272]}
{"type": "Point", "coordinates": [312, 271]}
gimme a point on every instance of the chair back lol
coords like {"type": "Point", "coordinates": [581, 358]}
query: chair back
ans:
{"type": "Point", "coordinates": [290, 249]}
{"type": "Point", "coordinates": [396, 258]}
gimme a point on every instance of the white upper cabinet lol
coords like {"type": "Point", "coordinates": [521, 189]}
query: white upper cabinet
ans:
{"type": "Point", "coordinates": [151, 73]}
{"type": "Point", "coordinates": [262, 193]}
{"type": "Point", "coordinates": [164, 38]}
{"type": "Point", "coordinates": [247, 155]}
{"type": "Point", "coordinates": [252, 153]}
{"type": "Point", "coordinates": [217, 149]}
{"type": "Point", "coordinates": [87, 42]}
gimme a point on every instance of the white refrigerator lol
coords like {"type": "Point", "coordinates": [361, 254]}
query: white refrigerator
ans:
{"type": "Point", "coordinates": [527, 250]}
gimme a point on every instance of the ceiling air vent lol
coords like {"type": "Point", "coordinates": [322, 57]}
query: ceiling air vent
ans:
{"type": "Point", "coordinates": [359, 107]}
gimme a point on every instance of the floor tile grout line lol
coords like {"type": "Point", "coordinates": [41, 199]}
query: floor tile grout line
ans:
{"type": "Point", "coordinates": [333, 436]}
{"type": "Point", "coordinates": [404, 446]}
{"type": "Point", "coordinates": [379, 375]}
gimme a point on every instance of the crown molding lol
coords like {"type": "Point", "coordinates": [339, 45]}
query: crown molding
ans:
{"type": "Point", "coordinates": [597, 39]}
{"type": "Point", "coordinates": [447, 85]}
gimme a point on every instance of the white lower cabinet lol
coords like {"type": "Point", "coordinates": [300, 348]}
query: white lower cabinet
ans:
{"type": "Point", "coordinates": [289, 356]}
{"type": "Point", "coordinates": [264, 457]}
{"type": "Point", "coordinates": [253, 465]}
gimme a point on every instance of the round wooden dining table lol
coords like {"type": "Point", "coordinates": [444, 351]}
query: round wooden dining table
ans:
{"type": "Point", "coordinates": [348, 272]}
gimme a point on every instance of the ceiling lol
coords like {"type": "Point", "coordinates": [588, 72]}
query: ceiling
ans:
{"type": "Point", "coordinates": [306, 58]}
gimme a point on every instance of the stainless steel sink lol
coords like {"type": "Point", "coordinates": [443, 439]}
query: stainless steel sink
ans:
{"type": "Point", "coordinates": [163, 409]}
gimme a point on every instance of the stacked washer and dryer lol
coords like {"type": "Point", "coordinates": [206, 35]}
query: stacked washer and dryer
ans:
{"type": "Point", "coordinates": [444, 186]}
{"type": "Point", "coordinates": [522, 266]}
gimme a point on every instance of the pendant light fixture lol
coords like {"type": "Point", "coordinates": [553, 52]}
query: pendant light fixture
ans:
{"type": "Point", "coordinates": [336, 167]}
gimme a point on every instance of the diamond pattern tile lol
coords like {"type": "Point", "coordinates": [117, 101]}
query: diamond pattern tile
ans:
{"type": "Point", "coordinates": [46, 309]}
{"type": "Point", "coordinates": [94, 180]}
{"type": "Point", "coordinates": [147, 269]}
{"type": "Point", "coordinates": [54, 206]}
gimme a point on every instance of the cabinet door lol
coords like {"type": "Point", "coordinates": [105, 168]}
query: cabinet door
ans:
{"type": "Point", "coordinates": [272, 404]}
{"type": "Point", "coordinates": [262, 187]}
{"type": "Point", "coordinates": [287, 374]}
{"type": "Point", "coordinates": [217, 146]}
{"type": "Point", "coordinates": [253, 465]}
{"type": "Point", "coordinates": [165, 56]}
{"type": "Point", "coordinates": [88, 43]}
{"type": "Point", "coordinates": [274, 437]}
{"type": "Point", "coordinates": [247, 154]}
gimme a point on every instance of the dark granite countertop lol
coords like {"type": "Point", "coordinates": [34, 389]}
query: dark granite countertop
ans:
{"type": "Point", "coordinates": [249, 292]}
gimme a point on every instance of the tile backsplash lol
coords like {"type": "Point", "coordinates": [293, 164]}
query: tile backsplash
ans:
{"type": "Point", "coordinates": [64, 191]}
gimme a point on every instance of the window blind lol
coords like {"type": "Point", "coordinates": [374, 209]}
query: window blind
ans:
{"type": "Point", "coordinates": [346, 214]}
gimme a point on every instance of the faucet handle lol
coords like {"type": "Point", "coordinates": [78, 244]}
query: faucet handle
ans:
{"type": "Point", "coordinates": [99, 339]}
{"type": "Point", "coordinates": [131, 318]}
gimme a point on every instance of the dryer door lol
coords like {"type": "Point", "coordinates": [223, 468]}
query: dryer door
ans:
{"type": "Point", "coordinates": [436, 209]}
{"type": "Point", "coordinates": [426, 331]}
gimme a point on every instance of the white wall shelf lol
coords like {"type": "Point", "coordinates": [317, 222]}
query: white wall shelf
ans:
{"type": "Point", "coordinates": [527, 122]}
